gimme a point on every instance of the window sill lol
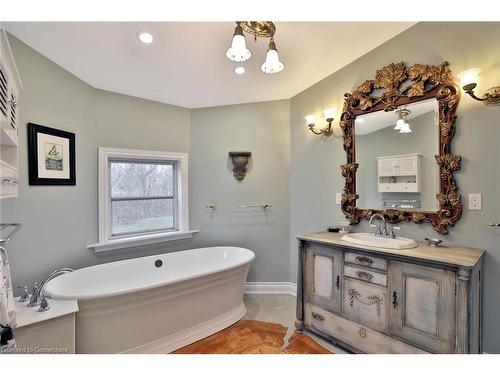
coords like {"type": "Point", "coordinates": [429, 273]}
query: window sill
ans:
{"type": "Point", "coordinates": [140, 240]}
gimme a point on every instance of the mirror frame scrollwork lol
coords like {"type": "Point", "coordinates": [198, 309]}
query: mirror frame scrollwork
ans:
{"type": "Point", "coordinates": [396, 85]}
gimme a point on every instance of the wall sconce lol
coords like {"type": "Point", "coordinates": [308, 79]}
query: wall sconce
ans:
{"type": "Point", "coordinates": [469, 79]}
{"type": "Point", "coordinates": [326, 131]}
{"type": "Point", "coordinates": [240, 161]}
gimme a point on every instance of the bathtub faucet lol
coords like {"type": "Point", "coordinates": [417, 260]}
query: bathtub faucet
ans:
{"type": "Point", "coordinates": [38, 297]}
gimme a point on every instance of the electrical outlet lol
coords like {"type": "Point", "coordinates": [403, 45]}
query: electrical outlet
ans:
{"type": "Point", "coordinates": [475, 201]}
{"type": "Point", "coordinates": [338, 198]}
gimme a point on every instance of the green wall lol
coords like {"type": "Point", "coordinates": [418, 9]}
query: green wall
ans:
{"type": "Point", "coordinates": [263, 129]}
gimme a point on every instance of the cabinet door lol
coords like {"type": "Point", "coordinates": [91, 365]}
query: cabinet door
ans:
{"type": "Point", "coordinates": [423, 306]}
{"type": "Point", "coordinates": [407, 166]}
{"type": "Point", "coordinates": [387, 167]}
{"type": "Point", "coordinates": [4, 95]}
{"type": "Point", "coordinates": [323, 277]}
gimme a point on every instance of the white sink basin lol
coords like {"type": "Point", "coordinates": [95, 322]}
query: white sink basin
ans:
{"type": "Point", "coordinates": [369, 239]}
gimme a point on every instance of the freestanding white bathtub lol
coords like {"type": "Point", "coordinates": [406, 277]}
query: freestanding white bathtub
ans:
{"type": "Point", "coordinates": [156, 304]}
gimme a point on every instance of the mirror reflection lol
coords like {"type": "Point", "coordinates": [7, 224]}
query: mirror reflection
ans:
{"type": "Point", "coordinates": [396, 155]}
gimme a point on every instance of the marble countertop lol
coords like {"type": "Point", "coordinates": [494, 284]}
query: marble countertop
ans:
{"type": "Point", "coordinates": [26, 316]}
{"type": "Point", "coordinates": [450, 255]}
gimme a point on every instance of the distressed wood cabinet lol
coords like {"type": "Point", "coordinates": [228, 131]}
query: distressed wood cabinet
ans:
{"type": "Point", "coordinates": [373, 300]}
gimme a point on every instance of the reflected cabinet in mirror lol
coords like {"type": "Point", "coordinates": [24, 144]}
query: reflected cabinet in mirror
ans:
{"type": "Point", "coordinates": [398, 130]}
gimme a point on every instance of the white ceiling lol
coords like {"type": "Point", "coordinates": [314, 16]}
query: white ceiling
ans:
{"type": "Point", "coordinates": [186, 63]}
{"type": "Point", "coordinates": [371, 122]}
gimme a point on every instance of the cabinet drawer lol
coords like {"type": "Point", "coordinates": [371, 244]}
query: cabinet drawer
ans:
{"type": "Point", "coordinates": [365, 275]}
{"type": "Point", "coordinates": [353, 334]}
{"type": "Point", "coordinates": [367, 304]}
{"type": "Point", "coordinates": [366, 261]}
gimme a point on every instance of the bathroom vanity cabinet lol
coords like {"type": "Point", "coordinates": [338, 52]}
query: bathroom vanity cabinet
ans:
{"type": "Point", "coordinates": [374, 300]}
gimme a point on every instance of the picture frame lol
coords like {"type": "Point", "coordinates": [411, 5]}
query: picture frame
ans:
{"type": "Point", "coordinates": [51, 156]}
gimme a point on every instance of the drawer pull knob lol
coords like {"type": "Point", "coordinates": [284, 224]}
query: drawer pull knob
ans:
{"type": "Point", "coordinates": [394, 299]}
{"type": "Point", "coordinates": [317, 317]}
{"type": "Point", "coordinates": [365, 261]}
{"type": "Point", "coordinates": [362, 333]}
{"type": "Point", "coordinates": [364, 275]}
{"type": "Point", "coordinates": [337, 283]}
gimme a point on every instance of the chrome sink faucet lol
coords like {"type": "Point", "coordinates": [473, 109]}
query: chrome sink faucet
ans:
{"type": "Point", "coordinates": [379, 232]}
{"type": "Point", "coordinates": [384, 229]}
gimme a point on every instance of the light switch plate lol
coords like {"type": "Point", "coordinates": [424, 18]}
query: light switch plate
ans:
{"type": "Point", "coordinates": [475, 201]}
{"type": "Point", "coordinates": [338, 198]}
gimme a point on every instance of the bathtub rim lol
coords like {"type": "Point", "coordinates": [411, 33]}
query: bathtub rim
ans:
{"type": "Point", "coordinates": [89, 296]}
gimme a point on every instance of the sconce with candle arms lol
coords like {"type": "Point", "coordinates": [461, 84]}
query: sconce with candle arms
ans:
{"type": "Point", "coordinates": [469, 80]}
{"type": "Point", "coordinates": [326, 131]}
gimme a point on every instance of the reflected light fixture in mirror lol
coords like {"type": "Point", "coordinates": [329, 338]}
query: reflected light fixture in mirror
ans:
{"type": "Point", "coordinates": [469, 79]}
{"type": "Point", "coordinates": [402, 123]}
{"type": "Point", "coordinates": [326, 131]}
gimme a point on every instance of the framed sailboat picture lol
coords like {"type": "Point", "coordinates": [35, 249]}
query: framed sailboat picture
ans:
{"type": "Point", "coordinates": [51, 156]}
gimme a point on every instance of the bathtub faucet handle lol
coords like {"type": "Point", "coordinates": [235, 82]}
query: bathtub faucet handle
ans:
{"type": "Point", "coordinates": [34, 296]}
{"type": "Point", "coordinates": [25, 296]}
{"type": "Point", "coordinates": [44, 304]}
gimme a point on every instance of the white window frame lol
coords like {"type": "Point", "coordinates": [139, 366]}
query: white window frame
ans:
{"type": "Point", "coordinates": [109, 242]}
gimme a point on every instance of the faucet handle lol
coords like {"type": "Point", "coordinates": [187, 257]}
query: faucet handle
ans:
{"type": "Point", "coordinates": [33, 301]}
{"type": "Point", "coordinates": [25, 295]}
{"type": "Point", "coordinates": [392, 229]}
{"type": "Point", "coordinates": [44, 304]}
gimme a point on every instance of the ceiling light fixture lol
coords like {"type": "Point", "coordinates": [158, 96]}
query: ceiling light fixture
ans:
{"type": "Point", "coordinates": [145, 37]}
{"type": "Point", "coordinates": [238, 51]}
{"type": "Point", "coordinates": [239, 70]}
{"type": "Point", "coordinates": [263, 29]}
{"type": "Point", "coordinates": [272, 63]}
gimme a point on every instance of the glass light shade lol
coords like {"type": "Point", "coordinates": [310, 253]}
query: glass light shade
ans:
{"type": "Point", "coordinates": [329, 113]}
{"type": "Point", "coordinates": [238, 51]}
{"type": "Point", "coordinates": [405, 128]}
{"type": "Point", "coordinates": [469, 76]}
{"type": "Point", "coordinates": [273, 63]}
{"type": "Point", "coordinates": [310, 120]}
{"type": "Point", "coordinates": [399, 124]}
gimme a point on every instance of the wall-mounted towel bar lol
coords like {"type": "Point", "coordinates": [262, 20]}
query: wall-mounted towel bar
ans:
{"type": "Point", "coordinates": [214, 205]}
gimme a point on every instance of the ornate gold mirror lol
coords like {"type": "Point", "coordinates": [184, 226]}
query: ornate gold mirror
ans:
{"type": "Point", "coordinates": [398, 130]}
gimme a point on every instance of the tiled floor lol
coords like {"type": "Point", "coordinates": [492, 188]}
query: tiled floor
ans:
{"type": "Point", "coordinates": [279, 308]}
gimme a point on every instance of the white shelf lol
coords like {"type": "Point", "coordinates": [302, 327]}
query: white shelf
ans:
{"type": "Point", "coordinates": [399, 173]}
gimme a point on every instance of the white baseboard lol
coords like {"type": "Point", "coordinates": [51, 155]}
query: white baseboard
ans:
{"type": "Point", "coordinates": [271, 288]}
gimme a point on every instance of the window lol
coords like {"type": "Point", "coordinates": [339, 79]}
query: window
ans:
{"type": "Point", "coordinates": [143, 198]}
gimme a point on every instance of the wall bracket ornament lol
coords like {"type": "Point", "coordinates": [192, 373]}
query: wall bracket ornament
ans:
{"type": "Point", "coordinates": [396, 85]}
{"type": "Point", "coordinates": [240, 161]}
